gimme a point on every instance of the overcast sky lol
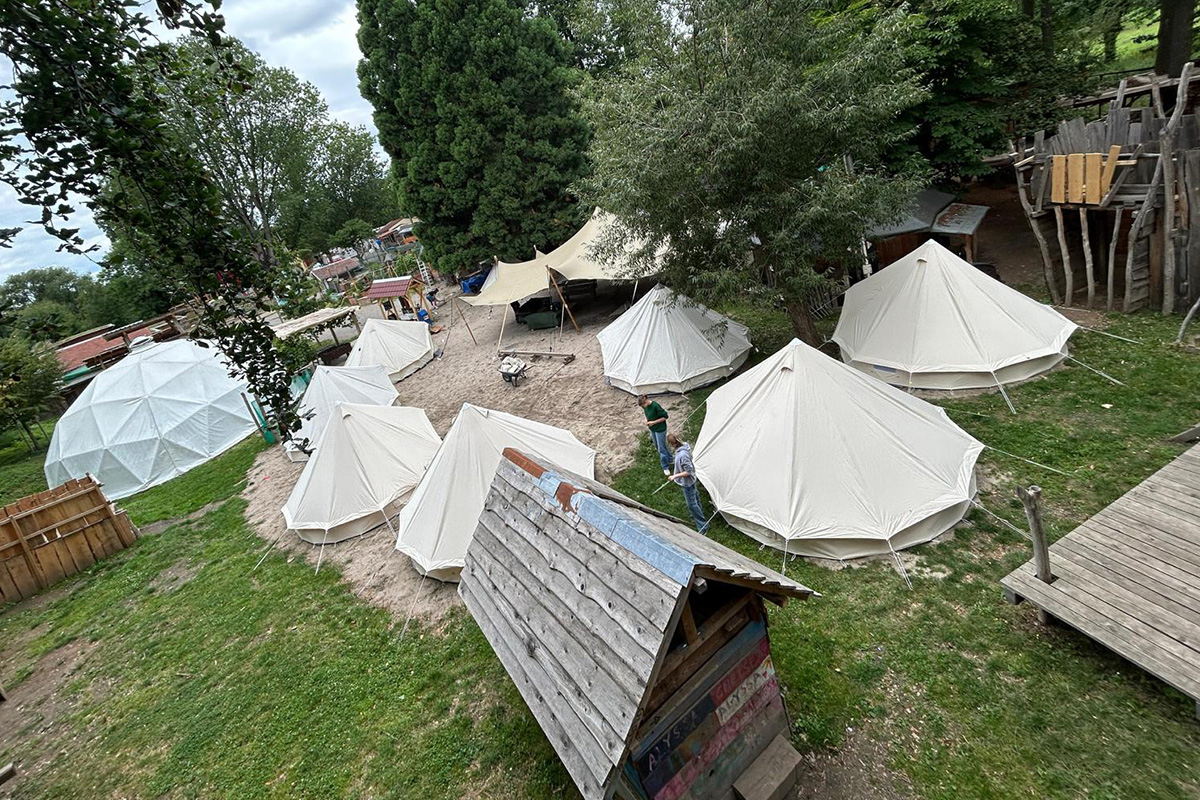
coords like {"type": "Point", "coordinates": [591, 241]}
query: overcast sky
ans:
{"type": "Point", "coordinates": [313, 38]}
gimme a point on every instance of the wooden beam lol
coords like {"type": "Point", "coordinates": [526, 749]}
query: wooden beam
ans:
{"type": "Point", "coordinates": [454, 302]}
{"type": "Point", "coordinates": [1031, 499]}
{"type": "Point", "coordinates": [558, 289]}
{"type": "Point", "coordinates": [1075, 175]}
{"type": "Point", "coordinates": [1092, 168]}
{"type": "Point", "coordinates": [1112, 255]}
{"type": "Point", "coordinates": [1068, 274]}
{"type": "Point", "coordinates": [1088, 267]}
{"type": "Point", "coordinates": [1135, 230]}
{"type": "Point", "coordinates": [1168, 164]}
{"type": "Point", "coordinates": [1110, 169]}
{"type": "Point", "coordinates": [1047, 264]}
{"type": "Point", "coordinates": [1058, 179]}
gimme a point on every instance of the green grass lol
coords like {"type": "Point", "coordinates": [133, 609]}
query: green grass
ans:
{"type": "Point", "coordinates": [20, 471]}
{"type": "Point", "coordinates": [278, 683]}
{"type": "Point", "coordinates": [215, 480]}
{"type": "Point", "coordinates": [1135, 45]}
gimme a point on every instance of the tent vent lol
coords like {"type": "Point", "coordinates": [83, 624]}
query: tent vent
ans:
{"type": "Point", "coordinates": [140, 343]}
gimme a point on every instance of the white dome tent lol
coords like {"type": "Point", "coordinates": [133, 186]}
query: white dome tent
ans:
{"type": "Point", "coordinates": [933, 321]}
{"type": "Point", "coordinates": [815, 458]}
{"type": "Point", "coordinates": [368, 463]}
{"type": "Point", "coordinates": [437, 525]}
{"type": "Point", "coordinates": [162, 410]}
{"type": "Point", "coordinates": [332, 385]}
{"type": "Point", "coordinates": [667, 343]}
{"type": "Point", "coordinates": [403, 347]}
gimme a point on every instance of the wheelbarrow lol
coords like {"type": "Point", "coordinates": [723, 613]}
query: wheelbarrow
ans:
{"type": "Point", "coordinates": [512, 369]}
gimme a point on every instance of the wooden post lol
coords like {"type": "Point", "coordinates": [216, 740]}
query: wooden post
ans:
{"type": "Point", "coordinates": [1112, 254]}
{"type": "Point", "coordinates": [354, 319]}
{"type": "Point", "coordinates": [1088, 267]}
{"type": "Point", "coordinates": [1051, 284]}
{"type": "Point", "coordinates": [1135, 230]}
{"type": "Point", "coordinates": [503, 320]}
{"type": "Point", "coordinates": [1069, 289]}
{"type": "Point", "coordinates": [1167, 161]}
{"type": "Point", "coordinates": [35, 569]}
{"type": "Point", "coordinates": [454, 302]}
{"type": "Point", "coordinates": [554, 283]}
{"type": "Point", "coordinates": [1031, 498]}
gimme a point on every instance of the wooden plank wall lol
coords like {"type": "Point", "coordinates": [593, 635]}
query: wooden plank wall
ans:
{"type": "Point", "coordinates": [48, 536]}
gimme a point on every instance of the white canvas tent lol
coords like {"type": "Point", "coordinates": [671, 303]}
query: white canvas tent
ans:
{"type": "Point", "coordinates": [332, 385]}
{"type": "Point", "coordinates": [401, 346]}
{"type": "Point", "coordinates": [368, 463]}
{"type": "Point", "coordinates": [437, 525]}
{"type": "Point", "coordinates": [933, 321]}
{"type": "Point", "coordinates": [815, 458]}
{"type": "Point", "coordinates": [666, 343]}
{"type": "Point", "coordinates": [162, 410]}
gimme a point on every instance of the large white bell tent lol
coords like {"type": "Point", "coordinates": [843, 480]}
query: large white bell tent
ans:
{"type": "Point", "coordinates": [332, 385]}
{"type": "Point", "coordinates": [668, 343]}
{"type": "Point", "coordinates": [816, 458]}
{"type": "Point", "coordinates": [368, 463]}
{"type": "Point", "coordinates": [401, 346]}
{"type": "Point", "coordinates": [437, 525]}
{"type": "Point", "coordinates": [933, 321]}
{"type": "Point", "coordinates": [162, 410]}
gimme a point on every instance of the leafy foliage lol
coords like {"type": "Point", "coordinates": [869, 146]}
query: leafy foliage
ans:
{"type": "Point", "coordinates": [46, 321]}
{"type": "Point", "coordinates": [29, 381]}
{"type": "Point", "coordinates": [86, 119]}
{"type": "Point", "coordinates": [355, 234]}
{"type": "Point", "coordinates": [731, 140]}
{"type": "Point", "coordinates": [472, 103]}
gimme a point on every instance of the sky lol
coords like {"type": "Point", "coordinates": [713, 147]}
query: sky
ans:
{"type": "Point", "coordinates": [313, 38]}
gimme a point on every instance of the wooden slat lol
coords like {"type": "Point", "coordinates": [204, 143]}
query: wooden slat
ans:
{"type": "Point", "coordinates": [1093, 191]}
{"type": "Point", "coordinates": [1075, 178]}
{"type": "Point", "coordinates": [1058, 179]}
{"type": "Point", "coordinates": [1082, 566]}
{"type": "Point", "coordinates": [1110, 169]}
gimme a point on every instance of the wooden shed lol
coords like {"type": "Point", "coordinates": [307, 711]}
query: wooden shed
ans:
{"type": "Point", "coordinates": [640, 646]}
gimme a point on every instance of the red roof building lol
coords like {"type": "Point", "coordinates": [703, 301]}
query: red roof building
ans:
{"type": "Point", "coordinates": [336, 269]}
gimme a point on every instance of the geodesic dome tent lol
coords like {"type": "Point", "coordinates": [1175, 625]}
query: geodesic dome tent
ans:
{"type": "Point", "coordinates": [665, 343]}
{"type": "Point", "coordinates": [933, 321]}
{"type": "Point", "coordinates": [162, 410]}
{"type": "Point", "coordinates": [368, 462]}
{"type": "Point", "coordinates": [811, 456]}
{"type": "Point", "coordinates": [368, 385]}
{"type": "Point", "coordinates": [401, 346]}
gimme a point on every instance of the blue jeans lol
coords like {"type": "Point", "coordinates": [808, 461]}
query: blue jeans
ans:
{"type": "Point", "coordinates": [691, 496]}
{"type": "Point", "coordinates": [664, 453]}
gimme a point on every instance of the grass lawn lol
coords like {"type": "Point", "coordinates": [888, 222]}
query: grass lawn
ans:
{"type": "Point", "coordinates": [200, 677]}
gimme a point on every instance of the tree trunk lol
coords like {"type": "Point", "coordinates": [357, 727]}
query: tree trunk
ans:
{"type": "Point", "coordinates": [803, 324]}
{"type": "Point", "coordinates": [1111, 29]}
{"type": "Point", "coordinates": [1027, 8]}
{"type": "Point", "coordinates": [1174, 36]}
{"type": "Point", "coordinates": [1048, 28]}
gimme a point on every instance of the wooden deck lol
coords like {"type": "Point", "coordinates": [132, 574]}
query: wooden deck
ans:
{"type": "Point", "coordinates": [1129, 577]}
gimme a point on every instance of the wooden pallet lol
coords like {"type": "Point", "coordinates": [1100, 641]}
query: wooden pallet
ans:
{"type": "Point", "coordinates": [1129, 577]}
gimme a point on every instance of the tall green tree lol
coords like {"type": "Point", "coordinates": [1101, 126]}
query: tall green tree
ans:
{"type": "Point", "coordinates": [46, 321]}
{"type": "Point", "coordinates": [750, 150]}
{"type": "Point", "coordinates": [472, 102]}
{"type": "Point", "coordinates": [57, 284]}
{"type": "Point", "coordinates": [29, 383]}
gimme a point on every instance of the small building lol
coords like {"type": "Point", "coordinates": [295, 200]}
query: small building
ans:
{"type": "Point", "coordinates": [85, 354]}
{"type": "Point", "coordinates": [640, 646]}
{"type": "Point", "coordinates": [933, 215]}
{"type": "Point", "coordinates": [331, 275]}
{"type": "Point", "coordinates": [397, 235]}
{"type": "Point", "coordinates": [398, 298]}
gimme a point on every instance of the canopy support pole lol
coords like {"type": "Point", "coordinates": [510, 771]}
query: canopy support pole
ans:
{"type": "Point", "coordinates": [503, 320]}
{"type": "Point", "coordinates": [558, 289]}
{"type": "Point", "coordinates": [1000, 386]}
{"type": "Point", "coordinates": [463, 317]}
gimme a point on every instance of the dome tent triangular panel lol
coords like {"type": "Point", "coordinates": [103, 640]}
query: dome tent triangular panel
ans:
{"type": "Point", "coordinates": [369, 385]}
{"type": "Point", "coordinates": [668, 343]}
{"type": "Point", "coordinates": [809, 455]}
{"type": "Point", "coordinates": [438, 523]}
{"type": "Point", "coordinates": [133, 430]}
{"type": "Point", "coordinates": [401, 346]}
{"type": "Point", "coordinates": [933, 321]}
{"type": "Point", "coordinates": [368, 463]}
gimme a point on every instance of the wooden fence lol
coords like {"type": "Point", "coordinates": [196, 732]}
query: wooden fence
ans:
{"type": "Point", "coordinates": [49, 535]}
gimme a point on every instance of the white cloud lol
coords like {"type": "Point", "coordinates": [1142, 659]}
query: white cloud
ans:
{"type": "Point", "coordinates": [316, 39]}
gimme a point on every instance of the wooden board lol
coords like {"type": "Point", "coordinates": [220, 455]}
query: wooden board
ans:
{"type": "Point", "coordinates": [1075, 169]}
{"type": "Point", "coordinates": [1129, 577]}
{"type": "Point", "coordinates": [1058, 179]}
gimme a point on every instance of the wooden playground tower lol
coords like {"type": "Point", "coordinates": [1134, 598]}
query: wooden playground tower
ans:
{"type": "Point", "coordinates": [1112, 202]}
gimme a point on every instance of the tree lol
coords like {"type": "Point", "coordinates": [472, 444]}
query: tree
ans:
{"type": "Point", "coordinates": [29, 383]}
{"type": "Point", "coordinates": [57, 284]}
{"type": "Point", "coordinates": [46, 321]}
{"type": "Point", "coordinates": [1175, 34]}
{"type": "Point", "coordinates": [472, 102]}
{"type": "Point", "coordinates": [84, 118]}
{"type": "Point", "coordinates": [355, 234]}
{"type": "Point", "coordinates": [601, 35]}
{"type": "Point", "coordinates": [732, 149]}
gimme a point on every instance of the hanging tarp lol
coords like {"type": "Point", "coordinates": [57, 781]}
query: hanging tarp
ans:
{"type": "Point", "coordinates": [933, 321]}
{"type": "Point", "coordinates": [332, 385]}
{"type": "Point", "coordinates": [368, 463]}
{"type": "Point", "coordinates": [813, 457]}
{"type": "Point", "coordinates": [665, 343]}
{"type": "Point", "coordinates": [403, 347]}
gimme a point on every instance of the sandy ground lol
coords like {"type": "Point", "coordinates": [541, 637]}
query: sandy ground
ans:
{"type": "Point", "coordinates": [570, 395]}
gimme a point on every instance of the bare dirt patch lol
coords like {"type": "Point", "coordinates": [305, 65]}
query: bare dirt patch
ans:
{"type": "Point", "coordinates": [36, 705]}
{"type": "Point", "coordinates": [174, 577]}
{"type": "Point", "coordinates": [858, 770]}
{"type": "Point", "coordinates": [370, 564]}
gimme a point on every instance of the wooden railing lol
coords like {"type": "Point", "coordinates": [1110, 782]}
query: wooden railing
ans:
{"type": "Point", "coordinates": [52, 534]}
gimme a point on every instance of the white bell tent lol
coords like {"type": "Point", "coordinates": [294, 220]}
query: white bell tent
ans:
{"type": "Point", "coordinates": [815, 458]}
{"type": "Point", "coordinates": [933, 321]}
{"type": "Point", "coordinates": [437, 525]}
{"type": "Point", "coordinates": [332, 385]}
{"type": "Point", "coordinates": [668, 343]}
{"type": "Point", "coordinates": [368, 463]}
{"type": "Point", "coordinates": [162, 410]}
{"type": "Point", "coordinates": [401, 346]}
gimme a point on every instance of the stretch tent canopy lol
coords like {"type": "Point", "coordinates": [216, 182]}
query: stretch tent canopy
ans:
{"type": "Point", "coordinates": [401, 346]}
{"type": "Point", "coordinates": [163, 409]}
{"type": "Point", "coordinates": [815, 458]}
{"type": "Point", "coordinates": [330, 386]}
{"type": "Point", "coordinates": [668, 343]}
{"type": "Point", "coordinates": [933, 321]}
{"type": "Point", "coordinates": [573, 260]}
{"type": "Point", "coordinates": [437, 525]}
{"type": "Point", "coordinates": [368, 463]}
